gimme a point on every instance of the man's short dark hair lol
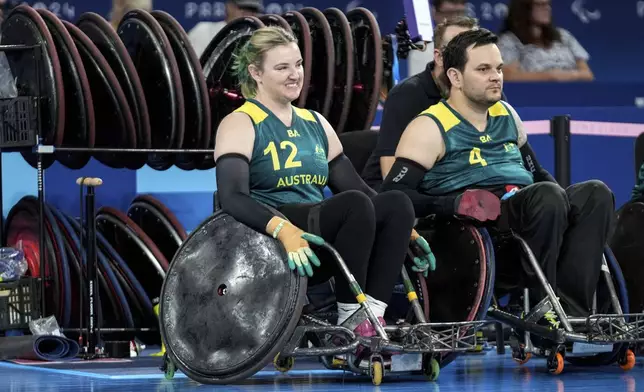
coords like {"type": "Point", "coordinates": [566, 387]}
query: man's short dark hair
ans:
{"type": "Point", "coordinates": [455, 53]}
{"type": "Point", "coordinates": [460, 21]}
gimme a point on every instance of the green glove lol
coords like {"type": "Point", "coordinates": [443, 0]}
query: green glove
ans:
{"type": "Point", "coordinates": [424, 259]}
{"type": "Point", "coordinates": [296, 243]}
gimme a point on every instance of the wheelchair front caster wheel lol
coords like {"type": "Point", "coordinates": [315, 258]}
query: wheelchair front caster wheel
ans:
{"type": "Point", "coordinates": [168, 367]}
{"type": "Point", "coordinates": [283, 364]}
{"type": "Point", "coordinates": [521, 356]}
{"type": "Point", "coordinates": [432, 369]}
{"type": "Point", "coordinates": [556, 363]}
{"type": "Point", "coordinates": [376, 370]}
{"type": "Point", "coordinates": [627, 361]}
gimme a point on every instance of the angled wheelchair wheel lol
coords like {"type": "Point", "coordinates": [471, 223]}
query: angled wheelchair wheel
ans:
{"type": "Point", "coordinates": [320, 91]}
{"type": "Point", "coordinates": [229, 302]}
{"type": "Point", "coordinates": [462, 261]}
{"type": "Point", "coordinates": [300, 28]}
{"type": "Point", "coordinates": [490, 276]}
{"type": "Point", "coordinates": [343, 74]}
{"type": "Point", "coordinates": [217, 61]}
{"type": "Point", "coordinates": [367, 64]}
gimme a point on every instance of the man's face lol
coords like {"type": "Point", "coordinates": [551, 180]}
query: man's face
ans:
{"type": "Point", "coordinates": [482, 79]}
{"type": "Point", "coordinates": [450, 32]}
{"type": "Point", "coordinates": [447, 10]}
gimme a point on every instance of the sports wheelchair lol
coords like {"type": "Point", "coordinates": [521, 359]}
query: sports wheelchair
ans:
{"type": "Point", "coordinates": [603, 338]}
{"type": "Point", "coordinates": [229, 278]}
{"type": "Point", "coordinates": [462, 247]}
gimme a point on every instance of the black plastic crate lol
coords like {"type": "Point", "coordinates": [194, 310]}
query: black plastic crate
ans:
{"type": "Point", "coordinates": [19, 303]}
{"type": "Point", "coordinates": [18, 122]}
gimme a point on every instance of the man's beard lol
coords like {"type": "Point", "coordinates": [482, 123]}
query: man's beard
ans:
{"type": "Point", "coordinates": [482, 101]}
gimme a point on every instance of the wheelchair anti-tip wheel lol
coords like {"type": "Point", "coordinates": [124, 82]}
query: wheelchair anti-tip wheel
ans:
{"type": "Point", "coordinates": [556, 363]}
{"type": "Point", "coordinates": [431, 368]}
{"type": "Point", "coordinates": [283, 364]}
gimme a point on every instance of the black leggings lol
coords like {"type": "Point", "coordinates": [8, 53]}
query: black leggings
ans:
{"type": "Point", "coordinates": [371, 234]}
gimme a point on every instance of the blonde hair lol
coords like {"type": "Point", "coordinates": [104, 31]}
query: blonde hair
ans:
{"type": "Point", "coordinates": [252, 52]}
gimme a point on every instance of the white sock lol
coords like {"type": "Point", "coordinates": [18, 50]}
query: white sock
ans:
{"type": "Point", "coordinates": [378, 307]}
{"type": "Point", "coordinates": [346, 310]}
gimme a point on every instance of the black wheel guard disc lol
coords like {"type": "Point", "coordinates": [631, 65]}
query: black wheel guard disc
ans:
{"type": "Point", "coordinates": [24, 26]}
{"type": "Point", "coordinates": [137, 249]}
{"type": "Point", "coordinates": [220, 321]}
{"type": "Point", "coordinates": [157, 67]}
{"type": "Point", "coordinates": [79, 116]}
{"type": "Point", "coordinates": [323, 68]}
{"type": "Point", "coordinates": [157, 226]}
{"type": "Point", "coordinates": [456, 286]}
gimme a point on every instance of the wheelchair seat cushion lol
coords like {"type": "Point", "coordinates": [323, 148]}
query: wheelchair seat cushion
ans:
{"type": "Point", "coordinates": [229, 301]}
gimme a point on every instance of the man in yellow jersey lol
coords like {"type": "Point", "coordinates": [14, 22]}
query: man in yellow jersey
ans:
{"type": "Point", "coordinates": [461, 157]}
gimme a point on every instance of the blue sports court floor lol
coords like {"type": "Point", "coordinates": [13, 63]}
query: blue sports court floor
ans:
{"type": "Point", "coordinates": [473, 372]}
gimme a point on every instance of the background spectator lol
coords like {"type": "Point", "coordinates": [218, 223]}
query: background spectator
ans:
{"type": "Point", "coordinates": [534, 49]}
{"type": "Point", "coordinates": [203, 32]}
{"type": "Point", "coordinates": [445, 9]}
{"type": "Point", "coordinates": [122, 7]}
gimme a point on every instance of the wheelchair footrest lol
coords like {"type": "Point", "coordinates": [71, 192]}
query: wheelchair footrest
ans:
{"type": "Point", "coordinates": [293, 349]}
{"type": "Point", "coordinates": [441, 337]}
{"type": "Point", "coordinates": [615, 328]}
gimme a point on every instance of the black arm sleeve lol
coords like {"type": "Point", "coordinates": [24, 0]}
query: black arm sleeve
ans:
{"type": "Point", "coordinates": [234, 194]}
{"type": "Point", "coordinates": [343, 177]}
{"type": "Point", "coordinates": [405, 175]}
{"type": "Point", "coordinates": [530, 162]}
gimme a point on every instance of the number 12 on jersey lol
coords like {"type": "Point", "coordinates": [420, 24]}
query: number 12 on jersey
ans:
{"type": "Point", "coordinates": [475, 157]}
{"type": "Point", "coordinates": [290, 161]}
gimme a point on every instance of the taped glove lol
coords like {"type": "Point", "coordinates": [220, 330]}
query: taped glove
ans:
{"type": "Point", "coordinates": [424, 258]}
{"type": "Point", "coordinates": [296, 242]}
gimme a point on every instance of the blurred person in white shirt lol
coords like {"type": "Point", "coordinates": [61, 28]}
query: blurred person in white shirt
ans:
{"type": "Point", "coordinates": [203, 32]}
{"type": "Point", "coordinates": [122, 7]}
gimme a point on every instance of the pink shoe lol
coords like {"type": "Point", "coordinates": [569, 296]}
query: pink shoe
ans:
{"type": "Point", "coordinates": [365, 329]}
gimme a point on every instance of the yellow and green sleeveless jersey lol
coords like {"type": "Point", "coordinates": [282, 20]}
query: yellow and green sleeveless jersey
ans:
{"type": "Point", "coordinates": [473, 158]}
{"type": "Point", "coordinates": [288, 164]}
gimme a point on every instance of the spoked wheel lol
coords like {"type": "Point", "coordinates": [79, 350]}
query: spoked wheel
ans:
{"type": "Point", "coordinates": [217, 61]}
{"type": "Point", "coordinates": [368, 69]}
{"type": "Point", "coordinates": [343, 51]}
{"type": "Point", "coordinates": [323, 68]}
{"type": "Point", "coordinates": [302, 32]}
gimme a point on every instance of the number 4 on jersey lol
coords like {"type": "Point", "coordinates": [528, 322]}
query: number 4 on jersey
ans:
{"type": "Point", "coordinates": [475, 157]}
